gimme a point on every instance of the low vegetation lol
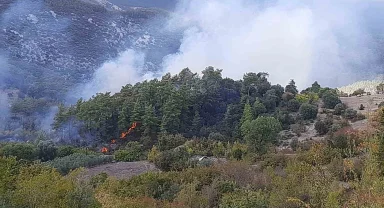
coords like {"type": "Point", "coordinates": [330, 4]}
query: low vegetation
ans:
{"type": "Point", "coordinates": [219, 143]}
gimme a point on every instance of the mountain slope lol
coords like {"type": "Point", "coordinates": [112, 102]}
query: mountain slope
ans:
{"type": "Point", "coordinates": [62, 42]}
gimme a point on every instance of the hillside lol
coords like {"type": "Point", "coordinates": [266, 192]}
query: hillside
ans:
{"type": "Point", "coordinates": [61, 43]}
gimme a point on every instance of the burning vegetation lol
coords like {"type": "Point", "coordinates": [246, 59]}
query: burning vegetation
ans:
{"type": "Point", "coordinates": [122, 136]}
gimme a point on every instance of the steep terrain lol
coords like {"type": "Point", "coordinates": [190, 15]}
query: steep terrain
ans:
{"type": "Point", "coordinates": [59, 43]}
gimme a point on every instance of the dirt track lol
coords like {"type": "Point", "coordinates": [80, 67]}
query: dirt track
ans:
{"type": "Point", "coordinates": [122, 170]}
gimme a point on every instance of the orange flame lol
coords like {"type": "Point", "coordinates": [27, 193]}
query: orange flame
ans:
{"type": "Point", "coordinates": [124, 134]}
{"type": "Point", "coordinates": [104, 150]}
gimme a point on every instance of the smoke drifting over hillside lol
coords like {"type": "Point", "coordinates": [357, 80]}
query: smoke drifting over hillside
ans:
{"type": "Point", "coordinates": [314, 40]}
{"type": "Point", "coordinates": [115, 74]}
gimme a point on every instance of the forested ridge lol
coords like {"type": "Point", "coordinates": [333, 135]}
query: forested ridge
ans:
{"type": "Point", "coordinates": [189, 105]}
{"type": "Point", "coordinates": [218, 143]}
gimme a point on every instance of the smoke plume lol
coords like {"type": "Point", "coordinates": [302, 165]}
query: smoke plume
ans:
{"type": "Point", "coordinates": [115, 74]}
{"type": "Point", "coordinates": [306, 41]}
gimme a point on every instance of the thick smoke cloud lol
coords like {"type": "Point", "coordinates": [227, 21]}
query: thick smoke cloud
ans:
{"type": "Point", "coordinates": [115, 74]}
{"type": "Point", "coordinates": [305, 41]}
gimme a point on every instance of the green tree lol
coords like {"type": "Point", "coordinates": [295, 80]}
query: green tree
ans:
{"type": "Point", "coordinates": [259, 108]}
{"type": "Point", "coordinates": [262, 132]}
{"type": "Point", "coordinates": [170, 122]}
{"type": "Point", "coordinates": [339, 109]}
{"type": "Point", "coordinates": [196, 123]}
{"type": "Point", "coordinates": [291, 87]}
{"type": "Point", "coordinates": [330, 99]}
{"type": "Point", "coordinates": [308, 111]}
{"type": "Point", "coordinates": [293, 105]}
{"type": "Point", "coordinates": [150, 122]}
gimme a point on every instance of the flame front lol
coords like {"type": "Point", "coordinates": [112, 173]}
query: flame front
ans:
{"type": "Point", "coordinates": [104, 150]}
{"type": "Point", "coordinates": [124, 134]}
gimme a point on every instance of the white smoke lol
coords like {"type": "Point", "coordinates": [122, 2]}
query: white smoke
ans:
{"type": "Point", "coordinates": [115, 74]}
{"type": "Point", "coordinates": [323, 40]}
{"type": "Point", "coordinates": [301, 40]}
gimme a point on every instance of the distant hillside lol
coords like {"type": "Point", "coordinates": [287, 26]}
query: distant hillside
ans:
{"type": "Point", "coordinates": [367, 85]}
{"type": "Point", "coordinates": [57, 44]}
{"type": "Point", "coordinates": [164, 4]}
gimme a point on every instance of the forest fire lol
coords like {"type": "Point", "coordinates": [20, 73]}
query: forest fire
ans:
{"type": "Point", "coordinates": [124, 134]}
{"type": "Point", "coordinates": [104, 150]}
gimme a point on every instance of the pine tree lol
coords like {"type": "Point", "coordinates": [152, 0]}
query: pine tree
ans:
{"type": "Point", "coordinates": [247, 113]}
{"type": "Point", "coordinates": [170, 122]}
{"type": "Point", "coordinates": [246, 119]}
{"type": "Point", "coordinates": [138, 113]}
{"type": "Point", "coordinates": [291, 87]}
{"type": "Point", "coordinates": [150, 122]}
{"type": "Point", "coordinates": [196, 123]}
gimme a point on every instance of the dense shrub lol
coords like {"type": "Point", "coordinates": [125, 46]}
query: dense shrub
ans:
{"type": "Point", "coordinates": [215, 136]}
{"type": "Point", "coordinates": [167, 142]}
{"type": "Point", "coordinates": [41, 186]}
{"type": "Point", "coordinates": [293, 105]}
{"type": "Point", "coordinates": [47, 151]}
{"type": "Point", "coordinates": [153, 154]}
{"type": "Point", "coordinates": [360, 116]}
{"type": "Point", "coordinates": [358, 92]}
{"type": "Point", "coordinates": [132, 152]}
{"type": "Point", "coordinates": [71, 162]}
{"type": "Point", "coordinates": [330, 99]}
{"type": "Point", "coordinates": [22, 151]}
{"type": "Point", "coordinates": [177, 160]}
{"type": "Point", "coordinates": [321, 127]}
{"type": "Point", "coordinates": [308, 111]}
{"type": "Point", "coordinates": [350, 113]}
{"type": "Point", "coordinates": [65, 150]}
{"type": "Point", "coordinates": [339, 109]}
{"type": "Point", "coordinates": [244, 199]}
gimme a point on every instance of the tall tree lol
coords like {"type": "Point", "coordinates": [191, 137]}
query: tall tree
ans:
{"type": "Point", "coordinates": [170, 122]}
{"type": "Point", "coordinates": [150, 122]}
{"type": "Point", "coordinates": [291, 87]}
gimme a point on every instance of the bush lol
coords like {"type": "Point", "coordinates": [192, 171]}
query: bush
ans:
{"type": "Point", "coordinates": [293, 105]}
{"type": "Point", "coordinates": [308, 111]}
{"type": "Point", "coordinates": [358, 92]}
{"type": "Point", "coordinates": [175, 160]}
{"type": "Point", "coordinates": [361, 107]}
{"type": "Point", "coordinates": [330, 99]}
{"type": "Point", "coordinates": [298, 128]}
{"type": "Point", "coordinates": [22, 151]}
{"type": "Point", "coordinates": [47, 151]}
{"type": "Point", "coordinates": [215, 136]}
{"type": "Point", "coordinates": [381, 104]}
{"type": "Point", "coordinates": [66, 150]}
{"type": "Point", "coordinates": [167, 142]}
{"type": "Point", "coordinates": [244, 199]}
{"type": "Point", "coordinates": [360, 116]}
{"type": "Point", "coordinates": [339, 109]}
{"type": "Point", "coordinates": [321, 127]}
{"type": "Point", "coordinates": [71, 162]}
{"type": "Point", "coordinates": [132, 152]}
{"type": "Point", "coordinates": [350, 113]}
{"type": "Point", "coordinates": [153, 154]}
